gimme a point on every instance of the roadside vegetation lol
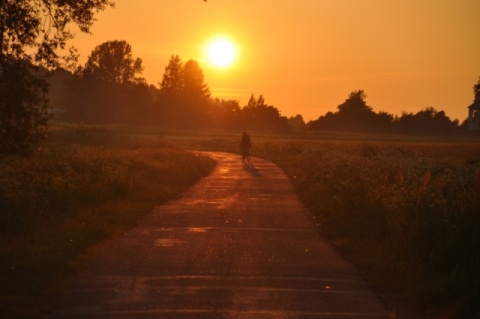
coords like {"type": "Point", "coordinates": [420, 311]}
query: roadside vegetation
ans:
{"type": "Point", "coordinates": [407, 213]}
{"type": "Point", "coordinates": [82, 186]}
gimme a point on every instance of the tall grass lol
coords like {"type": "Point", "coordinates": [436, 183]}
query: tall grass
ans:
{"type": "Point", "coordinates": [407, 213]}
{"type": "Point", "coordinates": [77, 189]}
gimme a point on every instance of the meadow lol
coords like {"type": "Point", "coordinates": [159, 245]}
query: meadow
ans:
{"type": "Point", "coordinates": [80, 187]}
{"type": "Point", "coordinates": [406, 212]}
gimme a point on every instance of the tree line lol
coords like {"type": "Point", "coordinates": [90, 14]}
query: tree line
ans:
{"type": "Point", "coordinates": [109, 89]}
{"type": "Point", "coordinates": [354, 115]}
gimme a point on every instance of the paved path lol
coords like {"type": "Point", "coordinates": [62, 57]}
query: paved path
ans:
{"type": "Point", "coordinates": [238, 244]}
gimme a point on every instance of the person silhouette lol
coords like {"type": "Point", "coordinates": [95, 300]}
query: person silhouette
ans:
{"type": "Point", "coordinates": [245, 145]}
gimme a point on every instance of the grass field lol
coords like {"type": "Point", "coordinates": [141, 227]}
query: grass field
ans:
{"type": "Point", "coordinates": [79, 188]}
{"type": "Point", "coordinates": [407, 213]}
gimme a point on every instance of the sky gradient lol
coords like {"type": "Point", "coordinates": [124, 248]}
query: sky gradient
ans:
{"type": "Point", "coordinates": [306, 56]}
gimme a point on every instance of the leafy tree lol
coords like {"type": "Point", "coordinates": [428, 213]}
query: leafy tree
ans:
{"type": "Point", "coordinates": [23, 107]}
{"type": "Point", "coordinates": [109, 89]}
{"type": "Point", "coordinates": [354, 115]}
{"type": "Point", "coordinates": [224, 114]}
{"type": "Point", "coordinates": [34, 32]}
{"type": "Point", "coordinates": [258, 115]}
{"type": "Point", "coordinates": [428, 121]}
{"type": "Point", "coordinates": [113, 62]}
{"type": "Point", "coordinates": [356, 103]}
{"type": "Point", "coordinates": [297, 123]}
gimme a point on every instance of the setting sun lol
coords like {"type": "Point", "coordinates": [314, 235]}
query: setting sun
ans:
{"type": "Point", "coordinates": [221, 52]}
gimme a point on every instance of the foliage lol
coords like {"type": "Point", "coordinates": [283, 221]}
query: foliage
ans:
{"type": "Point", "coordinates": [257, 115]}
{"type": "Point", "coordinates": [113, 62]}
{"type": "Point", "coordinates": [225, 114]}
{"type": "Point", "coordinates": [172, 77]}
{"type": "Point", "coordinates": [407, 214]}
{"type": "Point", "coordinates": [109, 88]}
{"type": "Point", "coordinates": [23, 107]}
{"type": "Point", "coordinates": [83, 186]}
{"type": "Point", "coordinates": [354, 115]}
{"type": "Point", "coordinates": [184, 97]}
{"type": "Point", "coordinates": [194, 86]}
{"type": "Point", "coordinates": [34, 33]}
{"type": "Point", "coordinates": [425, 122]}
{"type": "Point", "coordinates": [297, 123]}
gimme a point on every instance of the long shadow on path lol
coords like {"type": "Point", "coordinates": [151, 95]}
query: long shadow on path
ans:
{"type": "Point", "coordinates": [238, 244]}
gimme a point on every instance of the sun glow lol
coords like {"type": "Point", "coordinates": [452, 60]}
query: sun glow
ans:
{"type": "Point", "coordinates": [221, 52]}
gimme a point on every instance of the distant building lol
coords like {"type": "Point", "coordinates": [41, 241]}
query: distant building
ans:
{"type": "Point", "coordinates": [474, 116]}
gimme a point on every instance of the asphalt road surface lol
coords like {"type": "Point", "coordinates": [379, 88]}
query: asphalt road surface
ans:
{"type": "Point", "coordinates": [238, 244]}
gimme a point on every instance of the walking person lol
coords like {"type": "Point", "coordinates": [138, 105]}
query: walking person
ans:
{"type": "Point", "coordinates": [245, 145]}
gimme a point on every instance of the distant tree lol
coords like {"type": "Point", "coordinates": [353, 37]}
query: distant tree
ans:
{"type": "Point", "coordinates": [34, 33]}
{"type": "Point", "coordinates": [110, 89]}
{"type": "Point", "coordinates": [173, 76]}
{"type": "Point", "coordinates": [184, 96]}
{"type": "Point", "coordinates": [355, 103]}
{"type": "Point", "coordinates": [196, 94]}
{"type": "Point", "coordinates": [354, 115]}
{"type": "Point", "coordinates": [428, 121]}
{"type": "Point", "coordinates": [258, 115]}
{"type": "Point", "coordinates": [224, 114]}
{"type": "Point", "coordinates": [193, 82]}
{"type": "Point", "coordinates": [297, 123]}
{"type": "Point", "coordinates": [113, 62]}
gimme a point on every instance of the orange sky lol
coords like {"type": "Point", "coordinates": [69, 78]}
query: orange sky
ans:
{"type": "Point", "coordinates": [306, 56]}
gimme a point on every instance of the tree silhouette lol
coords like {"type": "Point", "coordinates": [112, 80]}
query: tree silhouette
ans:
{"type": "Point", "coordinates": [224, 114]}
{"type": "Point", "coordinates": [23, 107]}
{"type": "Point", "coordinates": [172, 80]}
{"type": "Point", "coordinates": [194, 86]}
{"type": "Point", "coordinates": [109, 89]}
{"type": "Point", "coordinates": [354, 115]}
{"type": "Point", "coordinates": [257, 115]}
{"type": "Point", "coordinates": [428, 121]}
{"type": "Point", "coordinates": [184, 96]}
{"type": "Point", "coordinates": [297, 123]}
{"type": "Point", "coordinates": [34, 32]}
{"type": "Point", "coordinates": [113, 62]}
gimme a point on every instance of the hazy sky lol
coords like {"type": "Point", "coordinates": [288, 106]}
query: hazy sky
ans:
{"type": "Point", "coordinates": [306, 56]}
